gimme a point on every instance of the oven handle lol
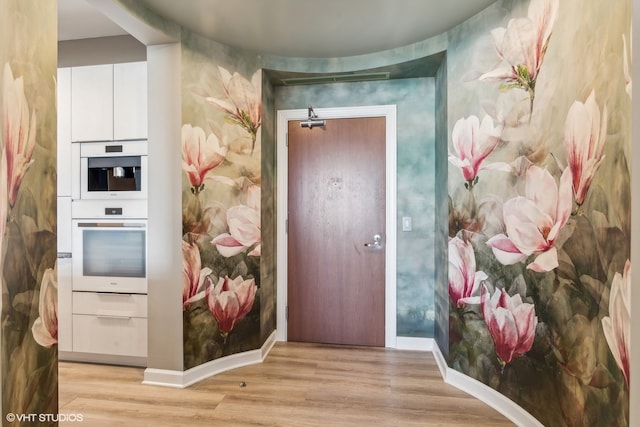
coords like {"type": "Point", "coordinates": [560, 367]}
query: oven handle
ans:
{"type": "Point", "coordinates": [111, 225]}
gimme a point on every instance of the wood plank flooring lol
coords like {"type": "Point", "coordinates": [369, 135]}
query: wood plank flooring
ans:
{"type": "Point", "coordinates": [298, 384]}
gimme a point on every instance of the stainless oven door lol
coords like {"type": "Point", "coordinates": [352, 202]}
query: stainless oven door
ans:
{"type": "Point", "coordinates": [110, 256]}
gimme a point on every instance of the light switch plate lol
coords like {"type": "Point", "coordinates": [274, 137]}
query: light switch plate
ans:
{"type": "Point", "coordinates": [407, 223]}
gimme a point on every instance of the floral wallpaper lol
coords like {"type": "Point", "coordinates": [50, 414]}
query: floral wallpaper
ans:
{"type": "Point", "coordinates": [539, 195]}
{"type": "Point", "coordinates": [221, 222]}
{"type": "Point", "coordinates": [29, 331]}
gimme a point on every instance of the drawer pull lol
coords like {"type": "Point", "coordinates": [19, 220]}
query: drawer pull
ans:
{"type": "Point", "coordinates": [105, 316]}
{"type": "Point", "coordinates": [113, 295]}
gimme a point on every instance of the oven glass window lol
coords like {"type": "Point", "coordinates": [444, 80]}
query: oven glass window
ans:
{"type": "Point", "coordinates": [114, 253]}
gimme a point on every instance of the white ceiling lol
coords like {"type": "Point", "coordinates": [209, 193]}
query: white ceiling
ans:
{"type": "Point", "coordinates": [305, 28]}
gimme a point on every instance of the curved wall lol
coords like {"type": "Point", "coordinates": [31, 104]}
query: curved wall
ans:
{"type": "Point", "coordinates": [562, 367]}
{"type": "Point", "coordinates": [544, 220]}
{"type": "Point", "coordinates": [28, 264]}
{"type": "Point", "coordinates": [221, 201]}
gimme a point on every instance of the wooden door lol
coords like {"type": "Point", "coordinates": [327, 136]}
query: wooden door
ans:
{"type": "Point", "coordinates": [336, 202]}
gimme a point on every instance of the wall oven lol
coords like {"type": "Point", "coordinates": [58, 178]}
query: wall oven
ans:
{"type": "Point", "coordinates": [111, 170]}
{"type": "Point", "coordinates": [110, 255]}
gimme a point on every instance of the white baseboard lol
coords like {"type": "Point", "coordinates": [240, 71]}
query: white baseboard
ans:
{"type": "Point", "coordinates": [442, 364]}
{"type": "Point", "coordinates": [484, 393]}
{"type": "Point", "coordinates": [182, 379]}
{"type": "Point", "coordinates": [106, 359]}
{"type": "Point", "coordinates": [412, 343]}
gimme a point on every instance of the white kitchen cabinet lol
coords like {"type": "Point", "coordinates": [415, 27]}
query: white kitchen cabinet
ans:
{"type": "Point", "coordinates": [65, 272]}
{"type": "Point", "coordinates": [64, 268]}
{"type": "Point", "coordinates": [97, 103]}
{"type": "Point", "coordinates": [64, 232]}
{"type": "Point", "coordinates": [110, 324]}
{"type": "Point", "coordinates": [64, 131]}
{"type": "Point", "coordinates": [108, 335]}
{"type": "Point", "coordinates": [92, 103]}
{"type": "Point", "coordinates": [109, 102]}
{"type": "Point", "coordinates": [65, 333]}
{"type": "Point", "coordinates": [130, 101]}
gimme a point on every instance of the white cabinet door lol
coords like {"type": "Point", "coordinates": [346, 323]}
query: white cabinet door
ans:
{"type": "Point", "coordinates": [92, 103]}
{"type": "Point", "coordinates": [65, 316]}
{"type": "Point", "coordinates": [65, 271]}
{"type": "Point", "coordinates": [64, 231]}
{"type": "Point", "coordinates": [64, 131]}
{"type": "Point", "coordinates": [130, 101]}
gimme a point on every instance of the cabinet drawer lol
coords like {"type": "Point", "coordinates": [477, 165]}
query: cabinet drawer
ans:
{"type": "Point", "coordinates": [122, 336]}
{"type": "Point", "coordinates": [107, 304]}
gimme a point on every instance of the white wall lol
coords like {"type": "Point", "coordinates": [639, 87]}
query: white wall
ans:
{"type": "Point", "coordinates": [165, 208]}
{"type": "Point", "coordinates": [100, 50]}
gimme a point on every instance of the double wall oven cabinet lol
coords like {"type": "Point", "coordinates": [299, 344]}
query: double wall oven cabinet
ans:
{"type": "Point", "coordinates": [102, 213]}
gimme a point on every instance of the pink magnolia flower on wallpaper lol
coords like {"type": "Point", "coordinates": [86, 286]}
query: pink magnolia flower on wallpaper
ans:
{"type": "Point", "coordinates": [511, 322]}
{"type": "Point", "coordinates": [230, 300]}
{"type": "Point", "coordinates": [584, 136]}
{"type": "Point", "coordinates": [18, 131]}
{"type": "Point", "coordinates": [533, 222]}
{"type": "Point", "coordinates": [4, 203]}
{"type": "Point", "coordinates": [243, 102]}
{"type": "Point", "coordinates": [522, 45]}
{"type": "Point", "coordinates": [45, 328]}
{"type": "Point", "coordinates": [627, 61]}
{"type": "Point", "coordinates": [617, 326]}
{"type": "Point", "coordinates": [200, 155]}
{"type": "Point", "coordinates": [473, 141]}
{"type": "Point", "coordinates": [193, 275]}
{"type": "Point", "coordinates": [244, 227]}
{"type": "Point", "coordinates": [464, 280]}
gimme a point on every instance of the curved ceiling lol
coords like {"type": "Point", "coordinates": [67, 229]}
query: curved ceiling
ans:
{"type": "Point", "coordinates": [297, 28]}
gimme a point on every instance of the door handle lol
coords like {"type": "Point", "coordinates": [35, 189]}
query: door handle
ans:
{"type": "Point", "coordinates": [377, 242]}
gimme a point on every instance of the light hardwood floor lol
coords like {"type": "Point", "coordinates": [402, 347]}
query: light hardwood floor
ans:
{"type": "Point", "coordinates": [297, 385]}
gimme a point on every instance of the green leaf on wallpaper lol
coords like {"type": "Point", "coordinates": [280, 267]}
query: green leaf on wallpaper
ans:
{"type": "Point", "coordinates": [557, 309]}
{"type": "Point", "coordinates": [240, 269]}
{"type": "Point", "coordinates": [585, 262]}
{"type": "Point", "coordinates": [576, 341]}
{"type": "Point", "coordinates": [43, 400]}
{"type": "Point", "coordinates": [23, 302]}
{"type": "Point", "coordinates": [597, 290]}
{"type": "Point", "coordinates": [508, 86]}
{"type": "Point", "coordinates": [572, 398]}
{"type": "Point", "coordinates": [601, 378]}
{"type": "Point", "coordinates": [523, 75]}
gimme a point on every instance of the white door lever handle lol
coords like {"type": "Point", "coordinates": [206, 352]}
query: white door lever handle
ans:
{"type": "Point", "coordinates": [377, 242]}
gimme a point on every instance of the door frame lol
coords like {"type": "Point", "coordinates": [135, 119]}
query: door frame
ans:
{"type": "Point", "coordinates": [283, 117]}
